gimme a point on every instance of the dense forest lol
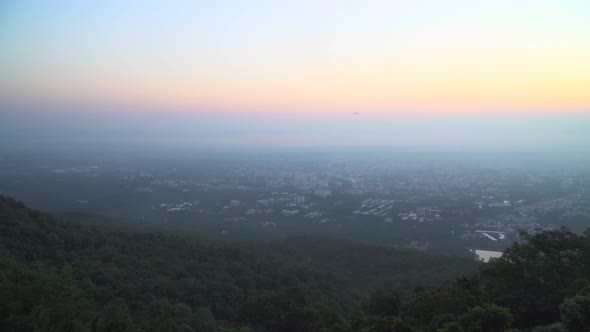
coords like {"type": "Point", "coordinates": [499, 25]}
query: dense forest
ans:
{"type": "Point", "coordinates": [59, 274]}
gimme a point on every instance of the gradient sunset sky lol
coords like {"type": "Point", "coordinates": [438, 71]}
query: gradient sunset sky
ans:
{"type": "Point", "coordinates": [277, 59]}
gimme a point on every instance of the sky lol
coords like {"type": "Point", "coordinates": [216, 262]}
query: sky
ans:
{"type": "Point", "coordinates": [294, 72]}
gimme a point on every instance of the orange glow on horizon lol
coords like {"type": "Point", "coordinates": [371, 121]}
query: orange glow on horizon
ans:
{"type": "Point", "coordinates": [415, 81]}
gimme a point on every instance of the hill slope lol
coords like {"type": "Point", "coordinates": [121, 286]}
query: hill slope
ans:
{"type": "Point", "coordinates": [67, 275]}
{"type": "Point", "coordinates": [58, 275]}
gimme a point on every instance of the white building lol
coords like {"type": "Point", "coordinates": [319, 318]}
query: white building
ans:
{"type": "Point", "coordinates": [299, 199]}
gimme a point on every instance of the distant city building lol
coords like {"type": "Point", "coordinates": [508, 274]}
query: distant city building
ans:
{"type": "Point", "coordinates": [323, 193]}
{"type": "Point", "coordinates": [322, 183]}
{"type": "Point", "coordinates": [145, 174]}
{"type": "Point", "coordinates": [265, 202]}
{"type": "Point", "coordinates": [299, 199]}
{"type": "Point", "coordinates": [289, 212]}
{"type": "Point", "coordinates": [302, 182]}
{"type": "Point", "coordinates": [485, 255]}
{"type": "Point", "coordinates": [423, 211]}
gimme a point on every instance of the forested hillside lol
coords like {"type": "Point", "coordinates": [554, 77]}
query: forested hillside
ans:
{"type": "Point", "coordinates": [540, 285]}
{"type": "Point", "coordinates": [64, 275]}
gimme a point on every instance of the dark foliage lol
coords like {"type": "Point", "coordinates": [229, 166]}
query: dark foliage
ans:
{"type": "Point", "coordinates": [60, 275]}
